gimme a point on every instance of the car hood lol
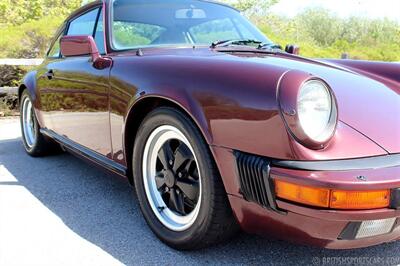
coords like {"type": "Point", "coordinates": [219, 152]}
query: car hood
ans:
{"type": "Point", "coordinates": [368, 95]}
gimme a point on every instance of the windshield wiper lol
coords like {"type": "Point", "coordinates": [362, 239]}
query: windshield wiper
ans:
{"type": "Point", "coordinates": [248, 42]}
{"type": "Point", "coordinates": [269, 46]}
{"type": "Point", "coordinates": [235, 42]}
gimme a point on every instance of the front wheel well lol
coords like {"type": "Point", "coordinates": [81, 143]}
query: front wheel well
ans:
{"type": "Point", "coordinates": [136, 116]}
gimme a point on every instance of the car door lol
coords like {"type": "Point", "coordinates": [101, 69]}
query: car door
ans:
{"type": "Point", "coordinates": [75, 96]}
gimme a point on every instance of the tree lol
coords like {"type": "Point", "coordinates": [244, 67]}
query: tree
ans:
{"type": "Point", "coordinates": [17, 12]}
{"type": "Point", "coordinates": [252, 7]}
{"type": "Point", "coordinates": [323, 26]}
{"type": "Point", "coordinates": [247, 5]}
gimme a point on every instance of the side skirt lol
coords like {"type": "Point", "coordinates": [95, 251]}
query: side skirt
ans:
{"type": "Point", "coordinates": [86, 153]}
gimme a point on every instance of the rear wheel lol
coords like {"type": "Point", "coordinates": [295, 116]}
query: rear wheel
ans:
{"type": "Point", "coordinates": [178, 186]}
{"type": "Point", "coordinates": [34, 142]}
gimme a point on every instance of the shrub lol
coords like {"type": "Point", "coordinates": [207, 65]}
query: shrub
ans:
{"type": "Point", "coordinates": [10, 76]}
{"type": "Point", "coordinates": [322, 34]}
{"type": "Point", "coordinates": [8, 105]}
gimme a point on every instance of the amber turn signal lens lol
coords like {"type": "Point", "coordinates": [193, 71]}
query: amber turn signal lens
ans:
{"type": "Point", "coordinates": [302, 194]}
{"type": "Point", "coordinates": [360, 199]}
{"type": "Point", "coordinates": [335, 199]}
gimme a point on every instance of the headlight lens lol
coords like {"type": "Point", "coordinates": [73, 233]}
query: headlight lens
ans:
{"type": "Point", "coordinates": [316, 110]}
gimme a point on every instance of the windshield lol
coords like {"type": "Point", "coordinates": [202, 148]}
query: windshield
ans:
{"type": "Point", "coordinates": [146, 23]}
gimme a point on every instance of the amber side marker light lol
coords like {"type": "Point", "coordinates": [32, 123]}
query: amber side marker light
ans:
{"type": "Point", "coordinates": [302, 194]}
{"type": "Point", "coordinates": [335, 199]}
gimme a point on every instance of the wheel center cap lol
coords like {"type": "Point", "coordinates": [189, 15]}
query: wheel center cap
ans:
{"type": "Point", "coordinates": [169, 178]}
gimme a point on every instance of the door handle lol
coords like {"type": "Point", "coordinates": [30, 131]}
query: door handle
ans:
{"type": "Point", "coordinates": [49, 74]}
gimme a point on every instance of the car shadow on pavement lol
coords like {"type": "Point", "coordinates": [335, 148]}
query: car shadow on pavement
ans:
{"type": "Point", "coordinates": [101, 208]}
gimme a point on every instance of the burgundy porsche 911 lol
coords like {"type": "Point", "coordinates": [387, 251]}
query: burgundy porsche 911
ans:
{"type": "Point", "coordinates": [218, 128]}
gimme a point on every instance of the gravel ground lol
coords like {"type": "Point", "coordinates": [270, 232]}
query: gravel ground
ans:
{"type": "Point", "coordinates": [60, 210]}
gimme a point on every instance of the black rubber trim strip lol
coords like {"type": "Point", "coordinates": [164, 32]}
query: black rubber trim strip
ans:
{"type": "Point", "coordinates": [350, 231]}
{"type": "Point", "coordinates": [269, 185]}
{"type": "Point", "coordinates": [383, 161]}
{"type": "Point", "coordinates": [245, 172]}
{"type": "Point", "coordinates": [395, 199]}
{"type": "Point", "coordinates": [86, 153]}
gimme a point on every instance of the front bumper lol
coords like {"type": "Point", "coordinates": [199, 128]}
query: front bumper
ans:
{"type": "Point", "coordinates": [304, 224]}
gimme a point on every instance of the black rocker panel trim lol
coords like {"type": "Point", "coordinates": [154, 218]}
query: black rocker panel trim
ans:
{"type": "Point", "coordinates": [86, 153]}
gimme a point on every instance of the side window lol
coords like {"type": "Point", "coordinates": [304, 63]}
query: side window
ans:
{"type": "Point", "coordinates": [83, 25]}
{"type": "Point", "coordinates": [99, 34]}
{"type": "Point", "coordinates": [219, 29]}
{"type": "Point", "coordinates": [54, 52]}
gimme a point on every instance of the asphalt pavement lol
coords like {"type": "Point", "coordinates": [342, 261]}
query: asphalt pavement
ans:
{"type": "Point", "coordinates": [59, 210]}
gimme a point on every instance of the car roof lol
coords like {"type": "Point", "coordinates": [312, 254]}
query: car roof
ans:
{"type": "Point", "coordinates": [84, 8]}
{"type": "Point", "coordinates": [183, 2]}
{"type": "Point", "coordinates": [96, 3]}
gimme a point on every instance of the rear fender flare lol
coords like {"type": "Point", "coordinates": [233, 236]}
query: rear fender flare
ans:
{"type": "Point", "coordinates": [29, 83]}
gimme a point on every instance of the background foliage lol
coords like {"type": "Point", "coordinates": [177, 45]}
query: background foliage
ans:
{"type": "Point", "coordinates": [27, 26]}
{"type": "Point", "coordinates": [321, 33]}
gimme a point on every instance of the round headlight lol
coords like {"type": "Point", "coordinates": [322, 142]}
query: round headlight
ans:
{"type": "Point", "coordinates": [308, 107]}
{"type": "Point", "coordinates": [316, 110]}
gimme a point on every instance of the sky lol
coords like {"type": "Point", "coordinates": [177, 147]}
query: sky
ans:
{"type": "Point", "coordinates": [344, 8]}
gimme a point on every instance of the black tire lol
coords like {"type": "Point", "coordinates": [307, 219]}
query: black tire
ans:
{"type": "Point", "coordinates": [41, 145]}
{"type": "Point", "coordinates": [215, 221]}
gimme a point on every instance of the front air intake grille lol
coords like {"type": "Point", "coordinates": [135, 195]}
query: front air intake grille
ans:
{"type": "Point", "coordinates": [254, 178]}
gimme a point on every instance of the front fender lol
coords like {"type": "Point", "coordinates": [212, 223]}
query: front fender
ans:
{"type": "Point", "coordinates": [234, 103]}
{"type": "Point", "coordinates": [387, 73]}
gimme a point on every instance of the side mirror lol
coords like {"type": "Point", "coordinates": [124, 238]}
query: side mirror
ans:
{"type": "Point", "coordinates": [292, 49]}
{"type": "Point", "coordinates": [81, 45]}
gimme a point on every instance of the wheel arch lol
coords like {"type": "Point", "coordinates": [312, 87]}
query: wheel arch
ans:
{"type": "Point", "coordinates": [21, 89]}
{"type": "Point", "coordinates": [29, 83]}
{"type": "Point", "coordinates": [143, 106]}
